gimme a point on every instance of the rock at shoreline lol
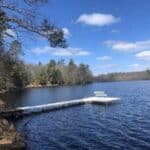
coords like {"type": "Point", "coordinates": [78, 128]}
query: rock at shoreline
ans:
{"type": "Point", "coordinates": [9, 138]}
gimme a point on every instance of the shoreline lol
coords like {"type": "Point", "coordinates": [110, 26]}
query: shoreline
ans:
{"type": "Point", "coordinates": [40, 85]}
{"type": "Point", "coordinates": [9, 137]}
{"type": "Point", "coordinates": [2, 92]}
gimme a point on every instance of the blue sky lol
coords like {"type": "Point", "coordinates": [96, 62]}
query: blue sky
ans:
{"type": "Point", "coordinates": [109, 35]}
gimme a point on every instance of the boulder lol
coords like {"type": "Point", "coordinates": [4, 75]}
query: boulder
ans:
{"type": "Point", "coordinates": [9, 138]}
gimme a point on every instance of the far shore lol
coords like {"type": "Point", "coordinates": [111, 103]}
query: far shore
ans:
{"type": "Point", "coordinates": [40, 85]}
{"type": "Point", "coordinates": [28, 86]}
{"type": "Point", "coordinates": [3, 91]}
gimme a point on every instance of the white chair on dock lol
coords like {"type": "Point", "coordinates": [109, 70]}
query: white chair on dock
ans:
{"type": "Point", "coordinates": [100, 94]}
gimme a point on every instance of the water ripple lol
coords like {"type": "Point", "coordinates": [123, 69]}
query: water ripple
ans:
{"type": "Point", "coordinates": [125, 125]}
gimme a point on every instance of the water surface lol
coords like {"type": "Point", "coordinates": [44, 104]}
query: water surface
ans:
{"type": "Point", "coordinates": [125, 125]}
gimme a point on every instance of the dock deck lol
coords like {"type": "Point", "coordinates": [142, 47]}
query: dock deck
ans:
{"type": "Point", "coordinates": [22, 111]}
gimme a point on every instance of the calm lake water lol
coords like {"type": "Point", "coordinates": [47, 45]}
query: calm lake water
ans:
{"type": "Point", "coordinates": [125, 125]}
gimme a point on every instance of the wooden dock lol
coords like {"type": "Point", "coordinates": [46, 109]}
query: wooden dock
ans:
{"type": "Point", "coordinates": [23, 111]}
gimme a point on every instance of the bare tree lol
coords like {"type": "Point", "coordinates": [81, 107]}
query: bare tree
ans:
{"type": "Point", "coordinates": [25, 18]}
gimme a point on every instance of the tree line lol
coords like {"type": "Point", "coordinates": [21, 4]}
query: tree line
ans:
{"type": "Point", "coordinates": [126, 76]}
{"type": "Point", "coordinates": [16, 74]}
{"type": "Point", "coordinates": [59, 73]}
{"type": "Point", "coordinates": [12, 69]}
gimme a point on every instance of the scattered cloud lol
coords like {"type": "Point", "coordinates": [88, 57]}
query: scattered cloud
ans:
{"type": "Point", "coordinates": [135, 66]}
{"type": "Point", "coordinates": [66, 32]}
{"type": "Point", "coordinates": [144, 55]}
{"type": "Point", "coordinates": [115, 31]}
{"type": "Point", "coordinates": [104, 58]}
{"type": "Point", "coordinates": [60, 51]}
{"type": "Point", "coordinates": [10, 32]}
{"type": "Point", "coordinates": [128, 46]}
{"type": "Point", "coordinates": [97, 19]}
{"type": "Point", "coordinates": [106, 66]}
{"type": "Point", "coordinates": [138, 67]}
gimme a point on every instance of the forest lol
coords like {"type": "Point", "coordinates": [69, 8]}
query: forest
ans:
{"type": "Point", "coordinates": [15, 74]}
{"type": "Point", "coordinates": [59, 73]}
{"type": "Point", "coordinates": [123, 76]}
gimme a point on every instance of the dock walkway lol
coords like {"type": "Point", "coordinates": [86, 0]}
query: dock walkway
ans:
{"type": "Point", "coordinates": [22, 111]}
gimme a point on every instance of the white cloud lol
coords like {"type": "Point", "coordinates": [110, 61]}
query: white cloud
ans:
{"type": "Point", "coordinates": [144, 55]}
{"type": "Point", "coordinates": [104, 58]}
{"type": "Point", "coordinates": [66, 32]}
{"type": "Point", "coordinates": [97, 19]}
{"type": "Point", "coordinates": [115, 31]}
{"type": "Point", "coordinates": [135, 66]}
{"type": "Point", "coordinates": [106, 66]}
{"type": "Point", "coordinates": [128, 46]}
{"type": "Point", "coordinates": [60, 51]}
{"type": "Point", "coordinates": [10, 32]}
{"type": "Point", "coordinates": [138, 67]}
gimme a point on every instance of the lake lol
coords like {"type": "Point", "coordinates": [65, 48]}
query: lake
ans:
{"type": "Point", "coordinates": [125, 125]}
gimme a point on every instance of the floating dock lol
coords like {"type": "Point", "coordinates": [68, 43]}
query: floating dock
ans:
{"type": "Point", "coordinates": [23, 111]}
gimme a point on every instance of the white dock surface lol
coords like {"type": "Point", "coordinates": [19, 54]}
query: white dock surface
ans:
{"type": "Point", "coordinates": [60, 105]}
{"type": "Point", "coordinates": [98, 100]}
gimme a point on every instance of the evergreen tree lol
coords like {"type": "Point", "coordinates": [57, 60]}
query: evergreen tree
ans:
{"type": "Point", "coordinates": [71, 72]}
{"type": "Point", "coordinates": [84, 74]}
